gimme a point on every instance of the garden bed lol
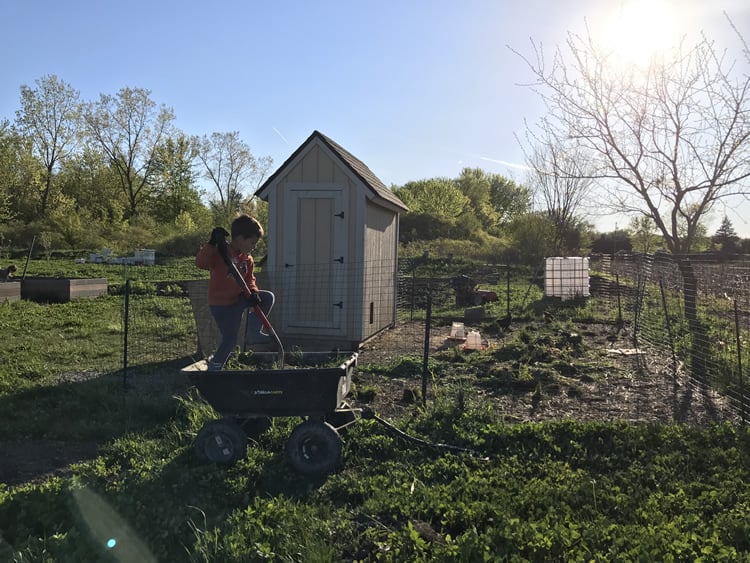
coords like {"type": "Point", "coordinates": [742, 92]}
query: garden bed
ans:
{"type": "Point", "coordinates": [10, 291]}
{"type": "Point", "coordinates": [62, 290]}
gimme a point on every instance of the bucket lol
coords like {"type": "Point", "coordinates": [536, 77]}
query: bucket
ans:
{"type": "Point", "coordinates": [458, 332]}
{"type": "Point", "coordinates": [473, 340]}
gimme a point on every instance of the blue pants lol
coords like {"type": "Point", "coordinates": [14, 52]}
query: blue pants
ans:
{"type": "Point", "coordinates": [228, 319]}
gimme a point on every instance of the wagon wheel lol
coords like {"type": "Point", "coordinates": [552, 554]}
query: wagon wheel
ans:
{"type": "Point", "coordinates": [221, 441]}
{"type": "Point", "coordinates": [342, 418]}
{"type": "Point", "coordinates": [314, 448]}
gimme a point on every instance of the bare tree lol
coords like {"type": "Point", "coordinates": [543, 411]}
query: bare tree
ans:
{"type": "Point", "coordinates": [232, 169]}
{"type": "Point", "coordinates": [668, 140]}
{"type": "Point", "coordinates": [129, 128]}
{"type": "Point", "coordinates": [561, 182]}
{"type": "Point", "coordinates": [643, 235]}
{"type": "Point", "coordinates": [50, 118]}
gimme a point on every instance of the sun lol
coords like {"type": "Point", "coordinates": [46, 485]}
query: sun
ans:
{"type": "Point", "coordinates": [637, 31]}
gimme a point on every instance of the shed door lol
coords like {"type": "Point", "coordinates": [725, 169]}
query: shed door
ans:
{"type": "Point", "coordinates": [314, 259]}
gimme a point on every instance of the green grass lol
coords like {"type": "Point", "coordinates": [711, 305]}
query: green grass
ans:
{"type": "Point", "coordinates": [169, 269]}
{"type": "Point", "coordinates": [538, 492]}
{"type": "Point", "coordinates": [562, 491]}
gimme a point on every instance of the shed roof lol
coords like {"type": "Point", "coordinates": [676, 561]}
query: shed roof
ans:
{"type": "Point", "coordinates": [356, 166]}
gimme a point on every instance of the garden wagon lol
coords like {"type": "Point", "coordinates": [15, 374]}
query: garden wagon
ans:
{"type": "Point", "coordinates": [248, 399]}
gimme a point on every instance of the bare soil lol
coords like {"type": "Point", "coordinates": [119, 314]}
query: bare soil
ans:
{"type": "Point", "coordinates": [633, 385]}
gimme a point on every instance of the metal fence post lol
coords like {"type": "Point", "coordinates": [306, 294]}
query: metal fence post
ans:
{"type": "Point", "coordinates": [669, 328]}
{"type": "Point", "coordinates": [739, 361]}
{"type": "Point", "coordinates": [126, 326]}
{"type": "Point", "coordinates": [426, 354]}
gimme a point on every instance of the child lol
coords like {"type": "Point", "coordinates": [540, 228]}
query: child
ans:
{"type": "Point", "coordinates": [225, 296]}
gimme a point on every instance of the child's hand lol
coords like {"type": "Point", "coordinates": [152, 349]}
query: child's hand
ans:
{"type": "Point", "coordinates": [218, 235]}
{"type": "Point", "coordinates": [253, 300]}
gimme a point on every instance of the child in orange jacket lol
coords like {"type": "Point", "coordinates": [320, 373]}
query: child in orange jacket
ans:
{"type": "Point", "coordinates": [225, 297]}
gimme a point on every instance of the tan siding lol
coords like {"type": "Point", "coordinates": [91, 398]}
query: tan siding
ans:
{"type": "Point", "coordinates": [379, 270]}
{"type": "Point", "coordinates": [370, 253]}
{"type": "Point", "coordinates": [325, 168]}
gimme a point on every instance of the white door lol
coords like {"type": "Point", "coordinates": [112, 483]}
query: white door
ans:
{"type": "Point", "coordinates": [315, 261]}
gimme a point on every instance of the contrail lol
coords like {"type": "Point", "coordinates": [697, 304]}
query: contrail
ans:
{"type": "Point", "coordinates": [282, 136]}
{"type": "Point", "coordinates": [505, 163]}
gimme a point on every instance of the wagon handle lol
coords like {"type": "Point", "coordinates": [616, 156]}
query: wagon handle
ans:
{"type": "Point", "coordinates": [235, 273]}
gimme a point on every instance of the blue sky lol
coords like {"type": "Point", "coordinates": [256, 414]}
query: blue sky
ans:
{"type": "Point", "coordinates": [416, 89]}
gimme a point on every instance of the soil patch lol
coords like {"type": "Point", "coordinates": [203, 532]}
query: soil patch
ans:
{"type": "Point", "coordinates": [38, 460]}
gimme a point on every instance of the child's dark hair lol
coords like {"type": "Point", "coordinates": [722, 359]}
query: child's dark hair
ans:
{"type": "Point", "coordinates": [247, 227]}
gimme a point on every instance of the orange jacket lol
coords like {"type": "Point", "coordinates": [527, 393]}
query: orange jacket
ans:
{"type": "Point", "coordinates": [223, 289]}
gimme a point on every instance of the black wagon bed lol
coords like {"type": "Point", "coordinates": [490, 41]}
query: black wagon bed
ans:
{"type": "Point", "coordinates": [274, 392]}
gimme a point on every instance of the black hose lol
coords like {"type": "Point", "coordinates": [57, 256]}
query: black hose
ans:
{"type": "Point", "coordinates": [370, 414]}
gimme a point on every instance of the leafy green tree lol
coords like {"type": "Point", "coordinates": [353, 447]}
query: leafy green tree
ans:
{"type": "Point", "coordinates": [726, 238]}
{"type": "Point", "coordinates": [21, 176]}
{"type": "Point", "coordinates": [7, 166]}
{"type": "Point", "coordinates": [610, 243]}
{"type": "Point", "coordinates": [232, 169]}
{"type": "Point", "coordinates": [50, 116]}
{"type": "Point", "coordinates": [129, 127]}
{"type": "Point", "coordinates": [93, 183]}
{"type": "Point", "coordinates": [533, 235]}
{"type": "Point", "coordinates": [174, 179]}
{"type": "Point", "coordinates": [439, 198]}
{"type": "Point", "coordinates": [474, 183]}
{"type": "Point", "coordinates": [508, 199]}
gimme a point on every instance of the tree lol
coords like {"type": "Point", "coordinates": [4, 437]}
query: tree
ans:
{"type": "Point", "coordinates": [509, 200]}
{"type": "Point", "coordinates": [532, 235]}
{"type": "Point", "coordinates": [50, 117]}
{"type": "Point", "coordinates": [436, 197]}
{"type": "Point", "coordinates": [561, 184]}
{"type": "Point", "coordinates": [474, 183]}
{"type": "Point", "coordinates": [173, 181]}
{"type": "Point", "coordinates": [21, 176]}
{"type": "Point", "coordinates": [726, 237]}
{"type": "Point", "coordinates": [92, 182]}
{"type": "Point", "coordinates": [7, 164]}
{"type": "Point", "coordinates": [129, 127]}
{"type": "Point", "coordinates": [643, 234]}
{"type": "Point", "coordinates": [232, 169]}
{"type": "Point", "coordinates": [493, 199]}
{"type": "Point", "coordinates": [611, 243]}
{"type": "Point", "coordinates": [667, 141]}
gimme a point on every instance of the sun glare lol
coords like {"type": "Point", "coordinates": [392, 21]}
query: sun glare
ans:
{"type": "Point", "coordinates": [639, 30]}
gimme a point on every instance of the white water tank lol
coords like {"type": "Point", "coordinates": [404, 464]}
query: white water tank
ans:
{"type": "Point", "coordinates": [566, 278]}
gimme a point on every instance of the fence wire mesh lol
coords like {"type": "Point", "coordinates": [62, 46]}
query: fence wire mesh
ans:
{"type": "Point", "coordinates": [681, 324]}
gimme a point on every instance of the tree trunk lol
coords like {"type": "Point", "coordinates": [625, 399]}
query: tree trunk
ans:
{"type": "Point", "coordinates": [690, 288]}
{"type": "Point", "coordinates": [699, 348]}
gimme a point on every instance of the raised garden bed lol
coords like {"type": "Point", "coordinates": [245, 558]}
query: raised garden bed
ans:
{"type": "Point", "coordinates": [62, 290]}
{"type": "Point", "coordinates": [10, 291]}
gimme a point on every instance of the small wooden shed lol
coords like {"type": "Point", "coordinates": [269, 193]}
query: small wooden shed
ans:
{"type": "Point", "coordinates": [332, 247]}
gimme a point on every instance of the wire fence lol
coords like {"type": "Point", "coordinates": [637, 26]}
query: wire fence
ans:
{"type": "Point", "coordinates": [683, 322]}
